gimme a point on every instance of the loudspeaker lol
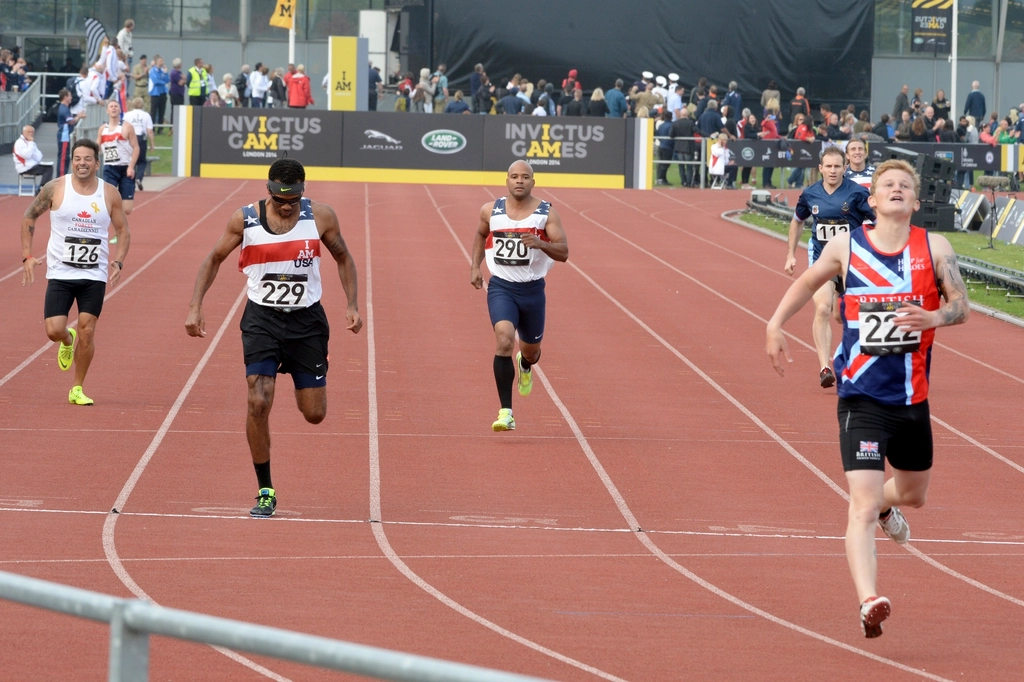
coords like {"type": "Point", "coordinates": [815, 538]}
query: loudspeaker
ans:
{"type": "Point", "coordinates": [898, 153]}
{"type": "Point", "coordinates": [934, 168]}
{"type": "Point", "coordinates": [935, 217]}
{"type": "Point", "coordinates": [935, 191]}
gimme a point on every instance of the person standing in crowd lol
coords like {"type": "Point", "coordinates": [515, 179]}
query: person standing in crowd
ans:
{"type": "Point", "coordinates": [176, 87]}
{"type": "Point", "coordinates": [837, 205]}
{"type": "Point", "coordinates": [140, 79]}
{"type": "Point", "coordinates": [941, 105]}
{"type": "Point", "coordinates": [800, 132]}
{"type": "Point", "coordinates": [675, 101]}
{"type": "Point", "coordinates": [457, 105]}
{"type": "Point", "coordinates": [508, 104]}
{"type": "Point", "coordinates": [440, 88]}
{"type": "Point", "coordinates": [771, 98]}
{"type": "Point", "coordinates": [521, 237]}
{"type": "Point", "coordinates": [666, 145]}
{"type": "Point", "coordinates": [577, 107]}
{"type": "Point", "coordinates": [884, 371]}
{"type": "Point", "coordinates": [732, 98]}
{"type": "Point", "coordinates": [597, 106]}
{"type": "Point", "coordinates": [277, 94]}
{"type": "Point", "coordinates": [28, 157]}
{"type": "Point", "coordinates": [228, 92]}
{"type": "Point", "coordinates": [647, 98]}
{"type": "Point", "coordinates": [158, 80]}
{"type": "Point", "coordinates": [769, 131]}
{"type": "Point", "coordinates": [243, 87]}
{"type": "Point", "coordinates": [211, 82]}
{"type": "Point", "coordinates": [284, 326]}
{"type": "Point", "coordinates": [800, 105]}
{"type": "Point", "coordinates": [975, 103]}
{"type": "Point", "coordinates": [142, 123]}
{"type": "Point", "coordinates": [300, 94]}
{"type": "Point", "coordinates": [684, 148]}
{"type": "Point", "coordinates": [748, 131]}
{"type": "Point", "coordinates": [475, 81]}
{"type": "Point", "coordinates": [423, 96]}
{"type": "Point", "coordinates": [484, 99]}
{"type": "Point", "coordinates": [258, 85]}
{"type": "Point", "coordinates": [902, 103]}
{"type": "Point", "coordinates": [65, 124]}
{"type": "Point", "coordinates": [376, 86]}
{"type": "Point", "coordinates": [616, 100]}
{"type": "Point", "coordinates": [197, 83]}
{"type": "Point", "coordinates": [124, 39]}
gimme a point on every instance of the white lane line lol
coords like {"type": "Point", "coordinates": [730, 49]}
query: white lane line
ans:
{"type": "Point", "coordinates": [49, 344]}
{"type": "Point", "coordinates": [376, 514]}
{"type": "Point", "coordinates": [110, 523]}
{"type": "Point", "coordinates": [791, 336]}
{"type": "Point", "coordinates": [764, 427]}
{"type": "Point", "coordinates": [18, 270]}
{"type": "Point", "coordinates": [632, 522]}
{"type": "Point", "coordinates": [978, 445]}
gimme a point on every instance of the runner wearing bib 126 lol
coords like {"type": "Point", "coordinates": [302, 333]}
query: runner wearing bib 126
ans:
{"type": "Point", "coordinates": [837, 206]}
{"type": "Point", "coordinates": [521, 237]}
{"type": "Point", "coordinates": [895, 274]}
{"type": "Point", "coordinates": [120, 148]}
{"type": "Point", "coordinates": [284, 326]}
{"type": "Point", "coordinates": [82, 208]}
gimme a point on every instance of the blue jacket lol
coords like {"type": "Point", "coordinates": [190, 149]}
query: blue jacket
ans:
{"type": "Point", "coordinates": [975, 106]}
{"type": "Point", "coordinates": [664, 131]}
{"type": "Point", "coordinates": [616, 103]}
{"type": "Point", "coordinates": [158, 80]}
{"type": "Point", "coordinates": [735, 103]}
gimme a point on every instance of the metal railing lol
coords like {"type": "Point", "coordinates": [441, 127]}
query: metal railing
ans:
{"type": "Point", "coordinates": [698, 158]}
{"type": "Point", "coordinates": [17, 109]}
{"type": "Point", "coordinates": [133, 620]}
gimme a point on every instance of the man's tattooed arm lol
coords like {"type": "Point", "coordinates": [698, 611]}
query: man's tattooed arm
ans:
{"type": "Point", "coordinates": [953, 289]}
{"type": "Point", "coordinates": [38, 207]}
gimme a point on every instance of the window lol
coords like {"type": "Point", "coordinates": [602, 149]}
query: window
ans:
{"type": "Point", "coordinates": [977, 30]}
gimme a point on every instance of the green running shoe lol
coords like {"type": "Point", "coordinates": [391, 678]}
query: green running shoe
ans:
{"type": "Point", "coordinates": [525, 376]}
{"type": "Point", "coordinates": [266, 504]}
{"type": "Point", "coordinates": [66, 354]}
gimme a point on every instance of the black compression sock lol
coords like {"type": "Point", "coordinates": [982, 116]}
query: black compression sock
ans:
{"type": "Point", "coordinates": [524, 364]}
{"type": "Point", "coordinates": [263, 474]}
{"type": "Point", "coordinates": [504, 377]}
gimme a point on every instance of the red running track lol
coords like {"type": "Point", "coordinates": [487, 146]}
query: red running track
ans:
{"type": "Point", "coordinates": [654, 409]}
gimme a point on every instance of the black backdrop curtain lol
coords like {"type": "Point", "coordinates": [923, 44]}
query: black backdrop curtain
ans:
{"type": "Point", "coordinates": [822, 45]}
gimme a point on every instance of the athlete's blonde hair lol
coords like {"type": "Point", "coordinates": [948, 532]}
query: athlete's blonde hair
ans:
{"type": "Point", "coordinates": [896, 164]}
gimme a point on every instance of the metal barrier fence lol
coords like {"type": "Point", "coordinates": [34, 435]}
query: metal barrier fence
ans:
{"type": "Point", "coordinates": [133, 620]}
{"type": "Point", "coordinates": [698, 158]}
{"type": "Point", "coordinates": [17, 109]}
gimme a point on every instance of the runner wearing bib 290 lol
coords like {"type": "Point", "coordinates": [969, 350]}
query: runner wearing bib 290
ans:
{"type": "Point", "coordinates": [284, 327]}
{"type": "Point", "coordinates": [895, 275]}
{"type": "Point", "coordinates": [837, 206]}
{"type": "Point", "coordinates": [521, 238]}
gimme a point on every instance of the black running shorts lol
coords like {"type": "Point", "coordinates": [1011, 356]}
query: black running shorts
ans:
{"type": "Point", "coordinates": [870, 433]}
{"type": "Point", "coordinates": [61, 293]}
{"type": "Point", "coordinates": [297, 340]}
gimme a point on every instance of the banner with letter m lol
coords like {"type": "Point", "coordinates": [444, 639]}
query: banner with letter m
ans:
{"type": "Point", "coordinates": [932, 26]}
{"type": "Point", "coordinates": [284, 14]}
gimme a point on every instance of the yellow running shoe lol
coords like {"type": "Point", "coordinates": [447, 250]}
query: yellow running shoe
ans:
{"type": "Point", "coordinates": [505, 421]}
{"type": "Point", "coordinates": [66, 354]}
{"type": "Point", "coordinates": [76, 397]}
{"type": "Point", "coordinates": [525, 376]}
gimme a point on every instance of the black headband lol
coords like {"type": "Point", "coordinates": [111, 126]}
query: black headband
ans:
{"type": "Point", "coordinates": [276, 187]}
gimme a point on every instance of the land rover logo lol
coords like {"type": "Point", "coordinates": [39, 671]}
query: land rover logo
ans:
{"type": "Point", "coordinates": [747, 153]}
{"type": "Point", "coordinates": [444, 141]}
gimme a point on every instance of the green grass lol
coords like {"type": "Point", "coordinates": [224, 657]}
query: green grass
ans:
{"type": "Point", "coordinates": [161, 166]}
{"type": "Point", "coordinates": [964, 243]}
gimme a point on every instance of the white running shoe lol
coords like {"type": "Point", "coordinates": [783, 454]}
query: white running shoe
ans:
{"type": "Point", "coordinates": [895, 526]}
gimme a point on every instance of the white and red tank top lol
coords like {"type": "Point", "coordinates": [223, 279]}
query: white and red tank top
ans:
{"type": "Point", "coordinates": [507, 256]}
{"type": "Point", "coordinates": [283, 269]}
{"type": "Point", "coordinates": [875, 359]}
{"type": "Point", "coordinates": [79, 229]}
{"type": "Point", "coordinates": [115, 148]}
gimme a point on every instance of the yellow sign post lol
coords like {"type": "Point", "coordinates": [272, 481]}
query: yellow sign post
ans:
{"type": "Point", "coordinates": [349, 73]}
{"type": "Point", "coordinates": [284, 14]}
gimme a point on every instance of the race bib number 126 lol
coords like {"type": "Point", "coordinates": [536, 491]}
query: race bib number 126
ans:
{"type": "Point", "coordinates": [82, 252]}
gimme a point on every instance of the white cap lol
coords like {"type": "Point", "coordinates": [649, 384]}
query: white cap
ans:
{"type": "Point", "coordinates": [661, 81]}
{"type": "Point", "coordinates": [647, 75]}
{"type": "Point", "coordinates": [673, 78]}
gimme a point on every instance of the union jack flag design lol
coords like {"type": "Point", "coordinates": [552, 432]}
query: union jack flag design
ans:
{"type": "Point", "coordinates": [869, 447]}
{"type": "Point", "coordinates": [877, 277]}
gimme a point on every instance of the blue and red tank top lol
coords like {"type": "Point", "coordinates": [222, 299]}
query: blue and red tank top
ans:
{"type": "Point", "coordinates": [876, 360]}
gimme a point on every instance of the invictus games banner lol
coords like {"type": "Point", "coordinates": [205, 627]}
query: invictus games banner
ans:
{"type": "Point", "coordinates": [967, 157]}
{"type": "Point", "coordinates": [931, 27]}
{"type": "Point", "coordinates": [434, 142]}
{"type": "Point", "coordinates": [556, 145]}
{"type": "Point", "coordinates": [261, 136]}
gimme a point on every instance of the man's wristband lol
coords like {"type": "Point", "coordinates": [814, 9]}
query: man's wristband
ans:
{"type": "Point", "coordinates": [119, 264]}
{"type": "Point", "coordinates": [24, 259]}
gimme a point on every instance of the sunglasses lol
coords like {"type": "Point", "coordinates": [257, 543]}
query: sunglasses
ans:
{"type": "Point", "coordinates": [282, 201]}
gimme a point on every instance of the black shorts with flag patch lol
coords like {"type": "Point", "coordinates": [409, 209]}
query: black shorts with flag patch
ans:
{"type": "Point", "coordinates": [870, 433]}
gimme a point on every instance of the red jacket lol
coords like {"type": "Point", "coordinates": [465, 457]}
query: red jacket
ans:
{"type": "Point", "coordinates": [771, 132]}
{"type": "Point", "coordinates": [299, 94]}
{"type": "Point", "coordinates": [803, 133]}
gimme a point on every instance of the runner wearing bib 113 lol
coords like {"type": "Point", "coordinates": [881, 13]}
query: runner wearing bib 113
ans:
{"type": "Point", "coordinates": [521, 237]}
{"type": "Point", "coordinates": [837, 206]}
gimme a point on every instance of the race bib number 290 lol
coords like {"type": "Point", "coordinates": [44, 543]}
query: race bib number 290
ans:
{"type": "Point", "coordinates": [880, 330]}
{"type": "Point", "coordinates": [81, 252]}
{"type": "Point", "coordinates": [283, 291]}
{"type": "Point", "coordinates": [509, 249]}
